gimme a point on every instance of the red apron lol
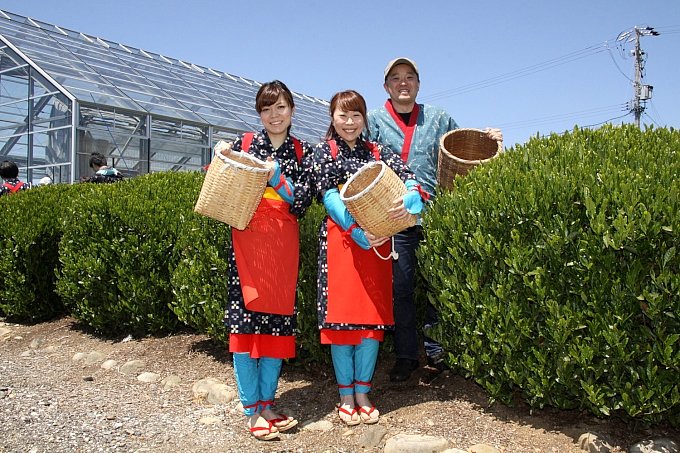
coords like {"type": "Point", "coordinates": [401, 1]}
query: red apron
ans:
{"type": "Point", "coordinates": [359, 282]}
{"type": "Point", "coordinates": [267, 254]}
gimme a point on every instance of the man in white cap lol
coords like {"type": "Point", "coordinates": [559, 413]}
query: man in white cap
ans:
{"type": "Point", "coordinates": [413, 130]}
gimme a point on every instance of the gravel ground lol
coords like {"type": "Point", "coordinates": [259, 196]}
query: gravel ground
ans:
{"type": "Point", "coordinates": [51, 403]}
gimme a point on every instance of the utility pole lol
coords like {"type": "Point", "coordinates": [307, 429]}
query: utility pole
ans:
{"type": "Point", "coordinates": [640, 92]}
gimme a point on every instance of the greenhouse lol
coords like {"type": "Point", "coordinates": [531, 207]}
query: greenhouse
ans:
{"type": "Point", "coordinates": [65, 94]}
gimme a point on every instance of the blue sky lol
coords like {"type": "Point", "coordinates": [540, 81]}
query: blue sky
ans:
{"type": "Point", "coordinates": [527, 67]}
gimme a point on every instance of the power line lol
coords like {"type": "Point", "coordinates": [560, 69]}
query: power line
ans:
{"type": "Point", "coordinates": [502, 78]}
{"type": "Point", "coordinates": [598, 111]}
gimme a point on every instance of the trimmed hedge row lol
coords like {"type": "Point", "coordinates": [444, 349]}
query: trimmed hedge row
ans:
{"type": "Point", "coordinates": [556, 271]}
{"type": "Point", "coordinates": [555, 268]}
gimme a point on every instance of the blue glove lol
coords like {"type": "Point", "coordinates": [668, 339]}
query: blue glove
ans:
{"type": "Point", "coordinates": [359, 237]}
{"type": "Point", "coordinates": [337, 209]}
{"type": "Point", "coordinates": [341, 216]}
{"type": "Point", "coordinates": [286, 189]}
{"type": "Point", "coordinates": [412, 200]}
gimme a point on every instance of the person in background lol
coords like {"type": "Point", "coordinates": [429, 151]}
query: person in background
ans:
{"type": "Point", "coordinates": [354, 294]}
{"type": "Point", "coordinates": [103, 174]}
{"type": "Point", "coordinates": [413, 131]}
{"type": "Point", "coordinates": [263, 263]}
{"type": "Point", "coordinates": [10, 179]}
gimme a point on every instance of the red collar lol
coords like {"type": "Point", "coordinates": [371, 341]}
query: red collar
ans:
{"type": "Point", "coordinates": [407, 129]}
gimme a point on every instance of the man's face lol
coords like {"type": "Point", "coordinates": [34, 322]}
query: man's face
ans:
{"type": "Point", "coordinates": [402, 84]}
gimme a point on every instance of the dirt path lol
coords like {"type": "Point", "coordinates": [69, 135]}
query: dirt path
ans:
{"type": "Point", "coordinates": [49, 402]}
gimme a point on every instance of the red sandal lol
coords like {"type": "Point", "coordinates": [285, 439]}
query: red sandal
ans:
{"type": "Point", "coordinates": [269, 435]}
{"type": "Point", "coordinates": [351, 413]}
{"type": "Point", "coordinates": [363, 411]}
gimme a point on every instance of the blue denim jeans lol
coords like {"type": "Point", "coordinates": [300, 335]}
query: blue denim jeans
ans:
{"type": "Point", "coordinates": [403, 287]}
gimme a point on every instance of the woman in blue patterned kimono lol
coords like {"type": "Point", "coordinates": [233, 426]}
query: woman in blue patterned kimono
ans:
{"type": "Point", "coordinates": [354, 299]}
{"type": "Point", "coordinates": [263, 264]}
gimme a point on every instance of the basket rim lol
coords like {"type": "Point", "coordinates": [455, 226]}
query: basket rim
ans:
{"type": "Point", "coordinates": [442, 148]}
{"type": "Point", "coordinates": [234, 163]}
{"type": "Point", "coordinates": [363, 168]}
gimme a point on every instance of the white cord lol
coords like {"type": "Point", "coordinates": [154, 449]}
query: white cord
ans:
{"type": "Point", "coordinates": [392, 255]}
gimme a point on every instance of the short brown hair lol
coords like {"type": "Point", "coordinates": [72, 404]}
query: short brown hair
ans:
{"type": "Point", "coordinates": [269, 93]}
{"type": "Point", "coordinates": [349, 101]}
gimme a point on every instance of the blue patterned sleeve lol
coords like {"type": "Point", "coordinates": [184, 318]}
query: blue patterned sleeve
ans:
{"type": "Point", "coordinates": [304, 182]}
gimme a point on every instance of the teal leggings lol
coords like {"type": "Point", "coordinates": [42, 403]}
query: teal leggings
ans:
{"type": "Point", "coordinates": [354, 366]}
{"type": "Point", "coordinates": [257, 380]}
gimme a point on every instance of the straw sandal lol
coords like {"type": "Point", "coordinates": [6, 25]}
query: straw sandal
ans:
{"type": "Point", "coordinates": [284, 422]}
{"type": "Point", "coordinates": [365, 414]}
{"type": "Point", "coordinates": [349, 411]}
{"type": "Point", "coordinates": [272, 431]}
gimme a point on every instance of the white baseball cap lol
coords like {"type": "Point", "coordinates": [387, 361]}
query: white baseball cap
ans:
{"type": "Point", "coordinates": [401, 60]}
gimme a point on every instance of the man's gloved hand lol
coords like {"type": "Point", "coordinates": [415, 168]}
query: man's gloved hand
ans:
{"type": "Point", "coordinates": [413, 202]}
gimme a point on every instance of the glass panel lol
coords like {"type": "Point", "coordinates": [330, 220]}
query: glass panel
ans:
{"type": "Point", "coordinates": [112, 120]}
{"type": "Point", "coordinates": [51, 147]}
{"type": "Point", "coordinates": [15, 149]}
{"type": "Point", "coordinates": [178, 131]}
{"type": "Point", "coordinates": [175, 156]}
{"type": "Point", "coordinates": [50, 112]}
{"type": "Point", "coordinates": [126, 153]}
{"type": "Point", "coordinates": [13, 118]}
{"type": "Point", "coordinates": [14, 86]}
{"type": "Point", "coordinates": [8, 59]}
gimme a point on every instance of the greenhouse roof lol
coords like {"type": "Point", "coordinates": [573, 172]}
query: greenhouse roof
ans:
{"type": "Point", "coordinates": [100, 72]}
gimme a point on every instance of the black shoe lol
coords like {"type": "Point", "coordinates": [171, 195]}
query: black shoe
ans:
{"type": "Point", "coordinates": [402, 369]}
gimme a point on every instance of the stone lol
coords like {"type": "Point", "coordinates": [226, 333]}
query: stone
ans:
{"type": "Point", "coordinates": [94, 357]}
{"type": "Point", "coordinates": [415, 443]}
{"type": "Point", "coordinates": [658, 445]}
{"type": "Point", "coordinates": [26, 354]}
{"type": "Point", "coordinates": [78, 356]}
{"type": "Point", "coordinates": [320, 425]}
{"type": "Point", "coordinates": [148, 377]}
{"type": "Point", "coordinates": [37, 342]}
{"type": "Point", "coordinates": [209, 420]}
{"type": "Point", "coordinates": [482, 448]}
{"type": "Point", "coordinates": [454, 450]}
{"type": "Point", "coordinates": [132, 367]}
{"type": "Point", "coordinates": [220, 394]}
{"type": "Point", "coordinates": [107, 365]}
{"type": "Point", "coordinates": [201, 388]}
{"type": "Point", "coordinates": [4, 331]}
{"type": "Point", "coordinates": [373, 436]}
{"type": "Point", "coordinates": [593, 443]}
{"type": "Point", "coordinates": [49, 349]}
{"type": "Point", "coordinates": [171, 381]}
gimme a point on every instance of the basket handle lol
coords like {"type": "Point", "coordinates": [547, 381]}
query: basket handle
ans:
{"type": "Point", "coordinates": [392, 255]}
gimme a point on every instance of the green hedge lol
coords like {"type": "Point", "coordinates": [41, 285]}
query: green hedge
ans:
{"type": "Point", "coordinates": [199, 282]}
{"type": "Point", "coordinates": [556, 271]}
{"type": "Point", "coordinates": [555, 268]}
{"type": "Point", "coordinates": [29, 235]}
{"type": "Point", "coordinates": [117, 253]}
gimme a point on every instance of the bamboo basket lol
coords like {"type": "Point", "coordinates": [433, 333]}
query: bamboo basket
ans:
{"type": "Point", "coordinates": [368, 195]}
{"type": "Point", "coordinates": [460, 150]}
{"type": "Point", "coordinates": [233, 188]}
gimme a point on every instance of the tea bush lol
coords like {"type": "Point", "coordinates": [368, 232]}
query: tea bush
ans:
{"type": "Point", "coordinates": [199, 281]}
{"type": "Point", "coordinates": [117, 253]}
{"type": "Point", "coordinates": [29, 235]}
{"type": "Point", "coordinates": [556, 272]}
